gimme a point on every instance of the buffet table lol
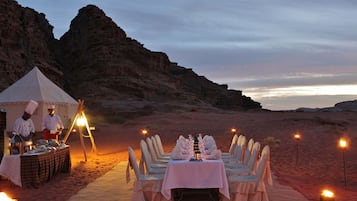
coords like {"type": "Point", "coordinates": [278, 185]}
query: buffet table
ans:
{"type": "Point", "coordinates": [204, 174]}
{"type": "Point", "coordinates": [31, 170]}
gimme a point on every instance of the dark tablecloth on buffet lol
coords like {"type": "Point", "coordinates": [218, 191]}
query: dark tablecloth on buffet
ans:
{"type": "Point", "coordinates": [38, 169]}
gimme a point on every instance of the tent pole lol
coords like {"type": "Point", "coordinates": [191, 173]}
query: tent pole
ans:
{"type": "Point", "coordinates": [82, 143]}
{"type": "Point", "coordinates": [80, 114]}
{"type": "Point", "coordinates": [94, 148]}
{"type": "Point", "coordinates": [70, 129]}
{"type": "Point", "coordinates": [79, 111]}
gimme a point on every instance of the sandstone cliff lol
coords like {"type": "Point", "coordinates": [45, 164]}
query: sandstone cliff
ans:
{"type": "Point", "coordinates": [26, 40]}
{"type": "Point", "coordinates": [96, 61]}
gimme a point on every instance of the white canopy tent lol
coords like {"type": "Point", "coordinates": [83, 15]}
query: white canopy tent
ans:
{"type": "Point", "coordinates": [36, 86]}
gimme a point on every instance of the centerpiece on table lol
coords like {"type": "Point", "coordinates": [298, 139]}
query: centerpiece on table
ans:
{"type": "Point", "coordinates": [196, 150]}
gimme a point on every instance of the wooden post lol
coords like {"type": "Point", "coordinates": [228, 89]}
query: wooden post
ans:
{"type": "Point", "coordinates": [82, 142]}
{"type": "Point", "coordinates": [94, 148]}
{"type": "Point", "coordinates": [65, 138]}
{"type": "Point", "coordinates": [80, 114]}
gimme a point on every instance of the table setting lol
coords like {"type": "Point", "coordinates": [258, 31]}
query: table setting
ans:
{"type": "Point", "coordinates": [195, 164]}
{"type": "Point", "coordinates": [195, 148]}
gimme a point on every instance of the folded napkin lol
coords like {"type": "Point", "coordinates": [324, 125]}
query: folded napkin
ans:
{"type": "Point", "coordinates": [210, 150]}
{"type": "Point", "coordinates": [209, 142]}
{"type": "Point", "coordinates": [200, 139]}
{"type": "Point", "coordinates": [215, 154]}
{"type": "Point", "coordinates": [179, 154]}
{"type": "Point", "coordinates": [181, 138]}
{"type": "Point", "coordinates": [183, 144]}
{"type": "Point", "coordinates": [205, 137]}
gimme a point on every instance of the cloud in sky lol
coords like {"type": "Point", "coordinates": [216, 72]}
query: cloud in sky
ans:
{"type": "Point", "coordinates": [259, 47]}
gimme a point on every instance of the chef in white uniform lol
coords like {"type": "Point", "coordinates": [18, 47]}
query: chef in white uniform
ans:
{"type": "Point", "coordinates": [23, 125]}
{"type": "Point", "coordinates": [52, 125]}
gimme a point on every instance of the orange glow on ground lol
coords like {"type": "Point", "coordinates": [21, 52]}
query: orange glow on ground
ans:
{"type": "Point", "coordinates": [297, 136]}
{"type": "Point", "coordinates": [327, 194]}
{"type": "Point", "coordinates": [342, 143]}
{"type": "Point", "coordinates": [5, 197]}
{"type": "Point", "coordinates": [144, 132]}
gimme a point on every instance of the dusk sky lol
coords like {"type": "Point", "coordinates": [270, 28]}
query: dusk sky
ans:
{"type": "Point", "coordinates": [284, 54]}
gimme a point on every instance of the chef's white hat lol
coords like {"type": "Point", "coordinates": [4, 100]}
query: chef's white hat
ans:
{"type": "Point", "coordinates": [51, 107]}
{"type": "Point", "coordinates": [31, 107]}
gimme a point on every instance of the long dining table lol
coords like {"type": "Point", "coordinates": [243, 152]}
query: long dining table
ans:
{"type": "Point", "coordinates": [32, 170]}
{"type": "Point", "coordinates": [203, 174]}
{"type": "Point", "coordinates": [187, 173]}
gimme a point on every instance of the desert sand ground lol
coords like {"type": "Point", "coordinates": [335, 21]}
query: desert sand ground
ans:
{"type": "Point", "coordinates": [319, 162]}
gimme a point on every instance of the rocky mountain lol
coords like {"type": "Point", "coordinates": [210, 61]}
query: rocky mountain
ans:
{"type": "Point", "coordinates": [26, 39]}
{"type": "Point", "coordinates": [97, 62]}
{"type": "Point", "coordinates": [350, 106]}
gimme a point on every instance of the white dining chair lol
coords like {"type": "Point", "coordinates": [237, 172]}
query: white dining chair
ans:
{"type": "Point", "coordinates": [153, 154]}
{"type": "Point", "coordinates": [146, 187]}
{"type": "Point", "coordinates": [250, 144]}
{"type": "Point", "coordinates": [145, 161]}
{"type": "Point", "coordinates": [244, 157]}
{"type": "Point", "coordinates": [157, 149]}
{"type": "Point", "coordinates": [232, 147]}
{"type": "Point", "coordinates": [248, 150]}
{"type": "Point", "coordinates": [245, 168]}
{"type": "Point", "coordinates": [161, 147]}
{"type": "Point", "coordinates": [239, 150]}
{"type": "Point", "coordinates": [251, 187]}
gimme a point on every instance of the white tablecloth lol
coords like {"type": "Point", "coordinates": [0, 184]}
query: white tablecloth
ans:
{"type": "Point", "coordinates": [10, 168]}
{"type": "Point", "coordinates": [196, 175]}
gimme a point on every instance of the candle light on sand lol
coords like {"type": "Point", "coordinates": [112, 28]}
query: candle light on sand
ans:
{"type": "Point", "coordinates": [5, 197]}
{"type": "Point", "coordinates": [233, 130]}
{"type": "Point", "coordinates": [327, 195]}
{"type": "Point", "coordinates": [297, 138]}
{"type": "Point", "coordinates": [144, 132]}
{"type": "Point", "coordinates": [343, 145]}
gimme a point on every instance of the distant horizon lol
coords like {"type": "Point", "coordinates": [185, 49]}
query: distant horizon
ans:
{"type": "Point", "coordinates": [329, 102]}
{"type": "Point", "coordinates": [283, 54]}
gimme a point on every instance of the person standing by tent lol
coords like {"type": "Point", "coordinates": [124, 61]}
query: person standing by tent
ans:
{"type": "Point", "coordinates": [24, 128]}
{"type": "Point", "coordinates": [52, 124]}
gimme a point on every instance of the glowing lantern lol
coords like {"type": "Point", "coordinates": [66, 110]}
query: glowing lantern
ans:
{"type": "Point", "coordinates": [4, 197]}
{"type": "Point", "coordinates": [342, 143]}
{"type": "Point", "coordinates": [81, 121]}
{"type": "Point", "coordinates": [233, 130]}
{"type": "Point", "coordinates": [144, 132]}
{"type": "Point", "coordinates": [327, 195]}
{"type": "Point", "coordinates": [297, 136]}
